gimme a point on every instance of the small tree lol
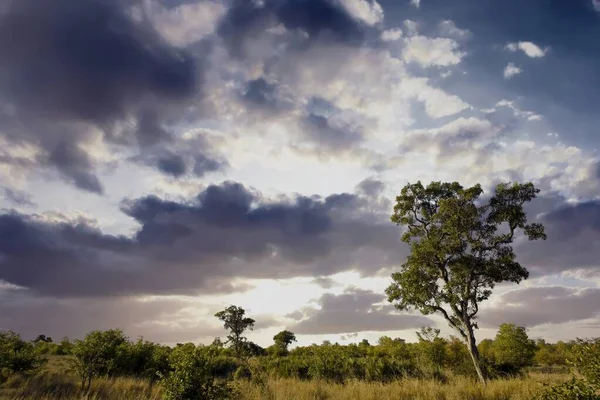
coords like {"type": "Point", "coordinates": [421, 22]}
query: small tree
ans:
{"type": "Point", "coordinates": [460, 249]}
{"type": "Point", "coordinates": [101, 353]}
{"type": "Point", "coordinates": [191, 376]}
{"type": "Point", "coordinates": [42, 338]}
{"type": "Point", "coordinates": [513, 350]}
{"type": "Point", "coordinates": [432, 347]}
{"type": "Point", "coordinates": [237, 323]}
{"type": "Point", "coordinates": [17, 356]}
{"type": "Point", "coordinates": [284, 339]}
{"type": "Point", "coordinates": [148, 360]}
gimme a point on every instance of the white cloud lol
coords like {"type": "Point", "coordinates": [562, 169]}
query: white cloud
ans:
{"type": "Point", "coordinates": [438, 103]}
{"type": "Point", "coordinates": [370, 12]}
{"type": "Point", "coordinates": [416, 3]}
{"type": "Point", "coordinates": [529, 48]}
{"type": "Point", "coordinates": [449, 28]}
{"type": "Point", "coordinates": [596, 5]}
{"type": "Point", "coordinates": [432, 51]}
{"type": "Point", "coordinates": [391, 35]}
{"type": "Point", "coordinates": [511, 70]}
{"type": "Point", "coordinates": [411, 27]}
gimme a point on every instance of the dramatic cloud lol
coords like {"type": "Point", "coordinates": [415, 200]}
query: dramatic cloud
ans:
{"type": "Point", "coordinates": [76, 75]}
{"type": "Point", "coordinates": [573, 234]}
{"type": "Point", "coordinates": [543, 305]}
{"type": "Point", "coordinates": [227, 231]}
{"type": "Point", "coordinates": [152, 101]}
{"type": "Point", "coordinates": [355, 310]}
{"type": "Point", "coordinates": [529, 48]}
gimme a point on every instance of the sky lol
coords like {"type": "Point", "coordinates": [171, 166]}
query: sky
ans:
{"type": "Point", "coordinates": [163, 159]}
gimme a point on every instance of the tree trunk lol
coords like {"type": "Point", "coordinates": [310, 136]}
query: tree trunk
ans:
{"type": "Point", "coordinates": [474, 351]}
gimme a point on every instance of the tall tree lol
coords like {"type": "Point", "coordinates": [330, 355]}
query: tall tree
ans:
{"type": "Point", "coordinates": [237, 323]}
{"type": "Point", "coordinates": [460, 249]}
{"type": "Point", "coordinates": [284, 339]}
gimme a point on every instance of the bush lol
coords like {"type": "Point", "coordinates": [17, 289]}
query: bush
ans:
{"type": "Point", "coordinates": [575, 389]}
{"type": "Point", "coordinates": [586, 362]}
{"type": "Point", "coordinates": [191, 376]}
{"type": "Point", "coordinates": [147, 360]}
{"type": "Point", "coordinates": [101, 353]}
{"type": "Point", "coordinates": [17, 356]}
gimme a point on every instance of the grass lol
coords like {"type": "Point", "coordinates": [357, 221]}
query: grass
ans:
{"type": "Point", "coordinates": [56, 381]}
{"type": "Point", "coordinates": [50, 385]}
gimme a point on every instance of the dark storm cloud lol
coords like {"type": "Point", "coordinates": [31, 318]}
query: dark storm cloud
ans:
{"type": "Point", "coordinates": [72, 65]}
{"type": "Point", "coordinates": [573, 231]}
{"type": "Point", "coordinates": [226, 232]}
{"type": "Point", "coordinates": [355, 310]}
{"type": "Point", "coordinates": [73, 162]}
{"type": "Point", "coordinates": [318, 19]}
{"type": "Point", "coordinates": [172, 165]}
{"type": "Point", "coordinates": [178, 158]}
{"type": "Point", "coordinates": [543, 305]}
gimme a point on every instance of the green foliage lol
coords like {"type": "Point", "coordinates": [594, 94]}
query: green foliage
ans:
{"type": "Point", "coordinates": [101, 353]}
{"type": "Point", "coordinates": [236, 323]}
{"type": "Point", "coordinates": [460, 249]}
{"type": "Point", "coordinates": [512, 349]}
{"type": "Point", "coordinates": [65, 347]}
{"type": "Point", "coordinates": [147, 360]}
{"type": "Point", "coordinates": [17, 356]}
{"type": "Point", "coordinates": [192, 378]}
{"type": "Point", "coordinates": [574, 389]}
{"type": "Point", "coordinates": [283, 340]}
{"type": "Point", "coordinates": [432, 348]}
{"type": "Point", "coordinates": [586, 362]}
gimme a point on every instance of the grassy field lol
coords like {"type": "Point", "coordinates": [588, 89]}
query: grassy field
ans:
{"type": "Point", "coordinates": [56, 382]}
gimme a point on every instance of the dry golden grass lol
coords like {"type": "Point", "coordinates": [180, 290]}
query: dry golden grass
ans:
{"type": "Point", "coordinates": [457, 389]}
{"type": "Point", "coordinates": [52, 386]}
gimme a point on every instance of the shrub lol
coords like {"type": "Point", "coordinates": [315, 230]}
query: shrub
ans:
{"type": "Point", "coordinates": [586, 362]}
{"type": "Point", "coordinates": [17, 356]}
{"type": "Point", "coordinates": [101, 353]}
{"type": "Point", "coordinates": [191, 376]}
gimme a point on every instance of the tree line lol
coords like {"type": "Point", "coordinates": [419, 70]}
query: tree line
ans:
{"type": "Point", "coordinates": [460, 249]}
{"type": "Point", "coordinates": [196, 371]}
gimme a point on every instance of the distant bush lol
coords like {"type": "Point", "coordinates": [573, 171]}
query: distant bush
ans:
{"type": "Point", "coordinates": [191, 376]}
{"type": "Point", "coordinates": [101, 353]}
{"type": "Point", "coordinates": [17, 356]}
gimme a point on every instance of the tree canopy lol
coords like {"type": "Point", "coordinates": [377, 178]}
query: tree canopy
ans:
{"type": "Point", "coordinates": [460, 249]}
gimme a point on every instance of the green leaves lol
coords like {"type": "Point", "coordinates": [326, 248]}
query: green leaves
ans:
{"type": "Point", "coordinates": [17, 356]}
{"type": "Point", "coordinates": [460, 248]}
{"type": "Point", "coordinates": [192, 378]}
{"type": "Point", "coordinates": [234, 320]}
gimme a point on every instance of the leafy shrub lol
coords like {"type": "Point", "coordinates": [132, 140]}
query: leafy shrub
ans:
{"type": "Point", "coordinates": [586, 362]}
{"type": "Point", "coordinates": [147, 360]}
{"type": "Point", "coordinates": [191, 376]}
{"type": "Point", "coordinates": [101, 353]}
{"type": "Point", "coordinates": [17, 356]}
{"type": "Point", "coordinates": [574, 389]}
